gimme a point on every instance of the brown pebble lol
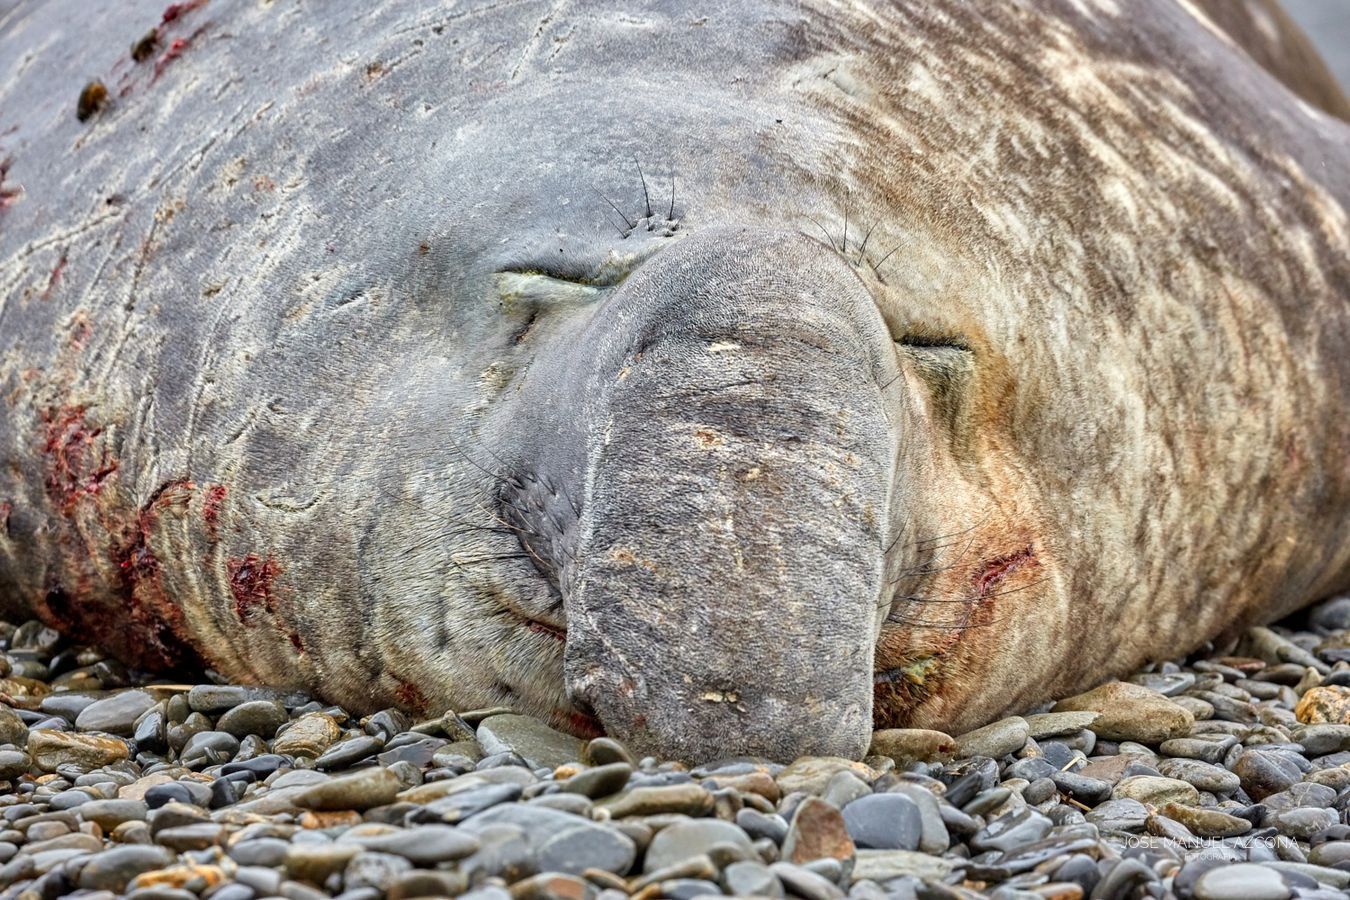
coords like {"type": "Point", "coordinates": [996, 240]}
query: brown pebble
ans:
{"type": "Point", "coordinates": [92, 99]}
{"type": "Point", "coordinates": [144, 48]}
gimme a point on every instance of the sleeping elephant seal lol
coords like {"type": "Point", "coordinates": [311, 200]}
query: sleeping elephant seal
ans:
{"type": "Point", "coordinates": [942, 357]}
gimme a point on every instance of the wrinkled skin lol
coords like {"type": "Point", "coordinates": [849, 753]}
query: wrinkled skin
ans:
{"type": "Point", "coordinates": [981, 352]}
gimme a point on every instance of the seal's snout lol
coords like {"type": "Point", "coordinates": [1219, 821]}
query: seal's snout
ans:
{"type": "Point", "coordinates": [729, 558]}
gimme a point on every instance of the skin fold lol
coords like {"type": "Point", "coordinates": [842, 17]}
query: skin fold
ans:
{"type": "Point", "coordinates": [729, 378]}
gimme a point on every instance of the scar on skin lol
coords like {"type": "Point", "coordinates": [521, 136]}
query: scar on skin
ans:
{"type": "Point", "coordinates": [707, 438]}
{"type": "Point", "coordinates": [629, 558]}
{"type": "Point", "coordinates": [723, 346]}
{"type": "Point", "coordinates": [720, 696]}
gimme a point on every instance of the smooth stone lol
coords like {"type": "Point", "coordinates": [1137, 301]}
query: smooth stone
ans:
{"type": "Point", "coordinates": [1320, 740]}
{"type": "Point", "coordinates": [1059, 724]}
{"type": "Point", "coordinates": [1332, 853]}
{"type": "Point", "coordinates": [817, 832]}
{"type": "Point", "coordinates": [1242, 881]}
{"type": "Point", "coordinates": [684, 840]}
{"type": "Point", "coordinates": [599, 781]}
{"type": "Point", "coordinates": [1119, 815]}
{"type": "Point", "coordinates": [422, 845]}
{"type": "Point", "coordinates": [198, 836]}
{"type": "Point", "coordinates": [1131, 712]}
{"type": "Point", "coordinates": [418, 752]}
{"type": "Point", "coordinates": [459, 806]}
{"type": "Point", "coordinates": [369, 869]}
{"type": "Point", "coordinates": [67, 704]}
{"type": "Point", "coordinates": [308, 736]}
{"type": "Point", "coordinates": [1025, 826]}
{"type": "Point", "coordinates": [1263, 773]}
{"type": "Point", "coordinates": [114, 868]}
{"type": "Point", "coordinates": [530, 739]}
{"type": "Point", "coordinates": [1109, 769]}
{"type": "Point", "coordinates": [314, 862]}
{"type": "Point", "coordinates": [208, 748]}
{"type": "Point", "coordinates": [1198, 708]}
{"type": "Point", "coordinates": [260, 717]}
{"type": "Point", "coordinates": [602, 751]}
{"type": "Point", "coordinates": [552, 886]}
{"type": "Point", "coordinates": [116, 714]}
{"type": "Point", "coordinates": [995, 740]}
{"type": "Point", "coordinates": [151, 731]}
{"type": "Point", "coordinates": [687, 799]}
{"type": "Point", "coordinates": [12, 729]}
{"type": "Point", "coordinates": [1202, 775]}
{"type": "Point", "coordinates": [353, 750]}
{"type": "Point", "coordinates": [1167, 684]}
{"type": "Point", "coordinates": [1324, 705]}
{"type": "Point", "coordinates": [807, 884]}
{"type": "Point", "coordinates": [193, 792]}
{"type": "Point", "coordinates": [907, 746]}
{"type": "Point", "coordinates": [360, 790]}
{"type": "Point", "coordinates": [688, 889]}
{"type": "Point", "coordinates": [217, 698]}
{"type": "Point", "coordinates": [934, 837]}
{"type": "Point", "coordinates": [1302, 824]}
{"type": "Point", "coordinates": [844, 788]}
{"type": "Point", "coordinates": [812, 774]}
{"type": "Point", "coordinates": [108, 814]}
{"type": "Point", "coordinates": [574, 850]}
{"type": "Point", "coordinates": [1211, 749]}
{"type": "Point", "coordinates": [884, 822]}
{"type": "Point", "coordinates": [1031, 769]}
{"type": "Point", "coordinates": [1161, 826]}
{"type": "Point", "coordinates": [750, 879]}
{"type": "Point", "coordinates": [51, 749]}
{"type": "Point", "coordinates": [1305, 793]}
{"type": "Point", "coordinates": [1154, 790]}
{"type": "Point", "coordinates": [14, 764]}
{"type": "Point", "coordinates": [762, 825]}
{"type": "Point", "coordinates": [1210, 823]}
{"type": "Point", "coordinates": [885, 865]}
{"type": "Point", "coordinates": [1083, 788]}
{"type": "Point", "coordinates": [262, 851]}
{"type": "Point", "coordinates": [1337, 878]}
{"type": "Point", "coordinates": [419, 883]}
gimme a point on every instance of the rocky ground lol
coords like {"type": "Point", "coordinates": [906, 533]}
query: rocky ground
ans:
{"type": "Point", "coordinates": [1222, 777]}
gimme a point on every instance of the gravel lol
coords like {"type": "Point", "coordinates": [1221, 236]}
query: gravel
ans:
{"type": "Point", "coordinates": [1222, 777]}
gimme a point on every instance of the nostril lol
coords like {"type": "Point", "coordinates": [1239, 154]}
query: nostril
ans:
{"type": "Point", "coordinates": [583, 687]}
{"type": "Point", "coordinates": [581, 705]}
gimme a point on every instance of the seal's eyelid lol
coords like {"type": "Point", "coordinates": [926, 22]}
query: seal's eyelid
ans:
{"type": "Point", "coordinates": [546, 288]}
{"type": "Point", "coordinates": [930, 342]}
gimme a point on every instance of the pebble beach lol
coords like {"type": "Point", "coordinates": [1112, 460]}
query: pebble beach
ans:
{"type": "Point", "coordinates": [1218, 777]}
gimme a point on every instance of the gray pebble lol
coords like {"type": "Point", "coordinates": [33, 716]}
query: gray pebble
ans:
{"type": "Point", "coordinates": [1241, 882]}
{"type": "Point", "coordinates": [884, 822]}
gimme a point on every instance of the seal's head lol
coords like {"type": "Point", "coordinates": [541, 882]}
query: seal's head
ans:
{"type": "Point", "coordinates": [723, 421]}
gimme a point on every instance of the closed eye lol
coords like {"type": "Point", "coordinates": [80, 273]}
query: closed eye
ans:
{"type": "Point", "coordinates": [547, 288]}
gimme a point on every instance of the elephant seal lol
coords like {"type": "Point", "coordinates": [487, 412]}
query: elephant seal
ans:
{"type": "Point", "coordinates": [727, 377]}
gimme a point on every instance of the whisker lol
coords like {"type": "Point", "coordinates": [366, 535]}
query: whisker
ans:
{"type": "Point", "coordinates": [485, 559]}
{"type": "Point", "coordinates": [844, 247]}
{"type": "Point", "coordinates": [646, 199]}
{"type": "Point", "coordinates": [631, 225]}
{"type": "Point", "coordinates": [863, 249]}
{"type": "Point", "coordinates": [914, 598]}
{"type": "Point", "coordinates": [877, 265]}
{"type": "Point", "coordinates": [828, 240]}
